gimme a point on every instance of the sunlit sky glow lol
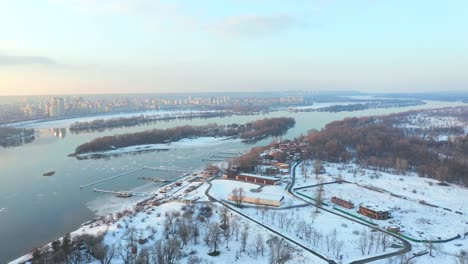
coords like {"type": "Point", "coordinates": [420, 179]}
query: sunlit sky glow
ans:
{"type": "Point", "coordinates": [139, 46]}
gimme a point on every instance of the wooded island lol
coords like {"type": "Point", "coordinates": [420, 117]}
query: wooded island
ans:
{"type": "Point", "coordinates": [255, 130]}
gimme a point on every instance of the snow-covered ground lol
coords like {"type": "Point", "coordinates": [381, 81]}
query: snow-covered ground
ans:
{"type": "Point", "coordinates": [333, 236]}
{"type": "Point", "coordinates": [415, 219]}
{"type": "Point", "coordinates": [183, 143]}
{"type": "Point", "coordinates": [439, 123]}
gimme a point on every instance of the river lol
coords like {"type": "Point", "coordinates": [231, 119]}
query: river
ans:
{"type": "Point", "coordinates": [36, 209]}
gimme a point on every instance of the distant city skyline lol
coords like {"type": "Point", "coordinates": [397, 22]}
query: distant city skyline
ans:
{"type": "Point", "coordinates": [159, 46]}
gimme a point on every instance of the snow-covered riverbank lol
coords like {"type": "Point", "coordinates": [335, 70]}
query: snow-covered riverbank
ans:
{"type": "Point", "coordinates": [183, 143]}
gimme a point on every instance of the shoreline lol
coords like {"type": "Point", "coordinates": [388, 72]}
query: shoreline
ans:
{"type": "Point", "coordinates": [130, 206]}
{"type": "Point", "coordinates": [180, 144]}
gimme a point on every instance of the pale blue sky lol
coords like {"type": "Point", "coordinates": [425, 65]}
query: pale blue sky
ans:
{"type": "Point", "coordinates": [112, 46]}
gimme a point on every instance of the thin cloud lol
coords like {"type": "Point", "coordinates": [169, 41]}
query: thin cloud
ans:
{"type": "Point", "coordinates": [6, 60]}
{"type": "Point", "coordinates": [256, 25]}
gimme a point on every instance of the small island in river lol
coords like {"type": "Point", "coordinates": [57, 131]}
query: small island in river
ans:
{"type": "Point", "coordinates": [249, 132]}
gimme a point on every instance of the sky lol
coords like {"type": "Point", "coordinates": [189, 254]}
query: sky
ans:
{"type": "Point", "coordinates": [160, 46]}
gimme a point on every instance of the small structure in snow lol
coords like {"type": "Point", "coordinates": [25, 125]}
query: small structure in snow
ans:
{"type": "Point", "coordinates": [395, 229]}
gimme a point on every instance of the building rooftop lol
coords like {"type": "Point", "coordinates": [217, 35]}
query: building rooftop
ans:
{"type": "Point", "coordinates": [259, 176]}
{"type": "Point", "coordinates": [376, 208]}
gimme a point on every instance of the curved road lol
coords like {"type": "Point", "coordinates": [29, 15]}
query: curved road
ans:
{"type": "Point", "coordinates": [406, 248]}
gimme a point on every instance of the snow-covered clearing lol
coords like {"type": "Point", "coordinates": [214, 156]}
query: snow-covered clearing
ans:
{"type": "Point", "coordinates": [440, 124]}
{"type": "Point", "coordinates": [415, 219]}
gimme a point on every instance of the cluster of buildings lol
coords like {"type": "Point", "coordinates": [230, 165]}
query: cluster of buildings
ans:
{"type": "Point", "coordinates": [371, 211]}
{"type": "Point", "coordinates": [28, 108]}
{"type": "Point", "coordinates": [274, 163]}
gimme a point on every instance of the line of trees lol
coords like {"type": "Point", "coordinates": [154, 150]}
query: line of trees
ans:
{"type": "Point", "coordinates": [364, 104]}
{"type": "Point", "coordinates": [101, 124]}
{"type": "Point", "coordinates": [250, 131]}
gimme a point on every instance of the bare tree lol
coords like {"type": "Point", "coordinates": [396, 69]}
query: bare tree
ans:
{"type": "Point", "coordinates": [319, 196]}
{"type": "Point", "coordinates": [371, 242]}
{"type": "Point", "coordinates": [441, 174]}
{"type": "Point", "coordinates": [244, 237]}
{"type": "Point", "coordinates": [280, 251]}
{"type": "Point", "coordinates": [213, 236]}
{"type": "Point", "coordinates": [126, 253]}
{"type": "Point", "coordinates": [339, 247]}
{"type": "Point", "coordinates": [195, 230]}
{"type": "Point", "coordinates": [318, 167]}
{"type": "Point", "coordinates": [103, 253]}
{"type": "Point", "coordinates": [235, 228]}
{"type": "Point", "coordinates": [385, 242]}
{"type": "Point", "coordinates": [259, 244]}
{"type": "Point", "coordinates": [183, 231]}
{"type": "Point", "coordinates": [304, 170]}
{"type": "Point", "coordinates": [226, 225]}
{"type": "Point", "coordinates": [74, 257]}
{"type": "Point", "coordinates": [462, 257]}
{"type": "Point", "coordinates": [168, 252]}
{"type": "Point", "coordinates": [282, 219]}
{"type": "Point", "coordinates": [143, 257]}
{"type": "Point", "coordinates": [238, 195]}
{"type": "Point", "coordinates": [363, 241]}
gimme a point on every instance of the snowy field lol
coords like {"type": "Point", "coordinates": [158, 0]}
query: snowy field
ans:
{"type": "Point", "coordinates": [183, 143]}
{"type": "Point", "coordinates": [415, 219]}
{"type": "Point", "coordinates": [411, 186]}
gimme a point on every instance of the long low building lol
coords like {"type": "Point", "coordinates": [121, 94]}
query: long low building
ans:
{"type": "Point", "coordinates": [261, 199]}
{"type": "Point", "coordinates": [247, 177]}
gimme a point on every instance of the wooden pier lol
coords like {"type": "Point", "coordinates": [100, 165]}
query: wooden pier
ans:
{"type": "Point", "coordinates": [122, 194]}
{"type": "Point", "coordinates": [137, 170]}
{"type": "Point", "coordinates": [110, 178]}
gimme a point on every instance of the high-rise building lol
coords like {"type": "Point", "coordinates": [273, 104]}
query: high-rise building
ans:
{"type": "Point", "coordinates": [57, 107]}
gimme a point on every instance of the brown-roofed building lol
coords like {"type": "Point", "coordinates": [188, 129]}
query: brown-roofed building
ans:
{"type": "Point", "coordinates": [247, 177]}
